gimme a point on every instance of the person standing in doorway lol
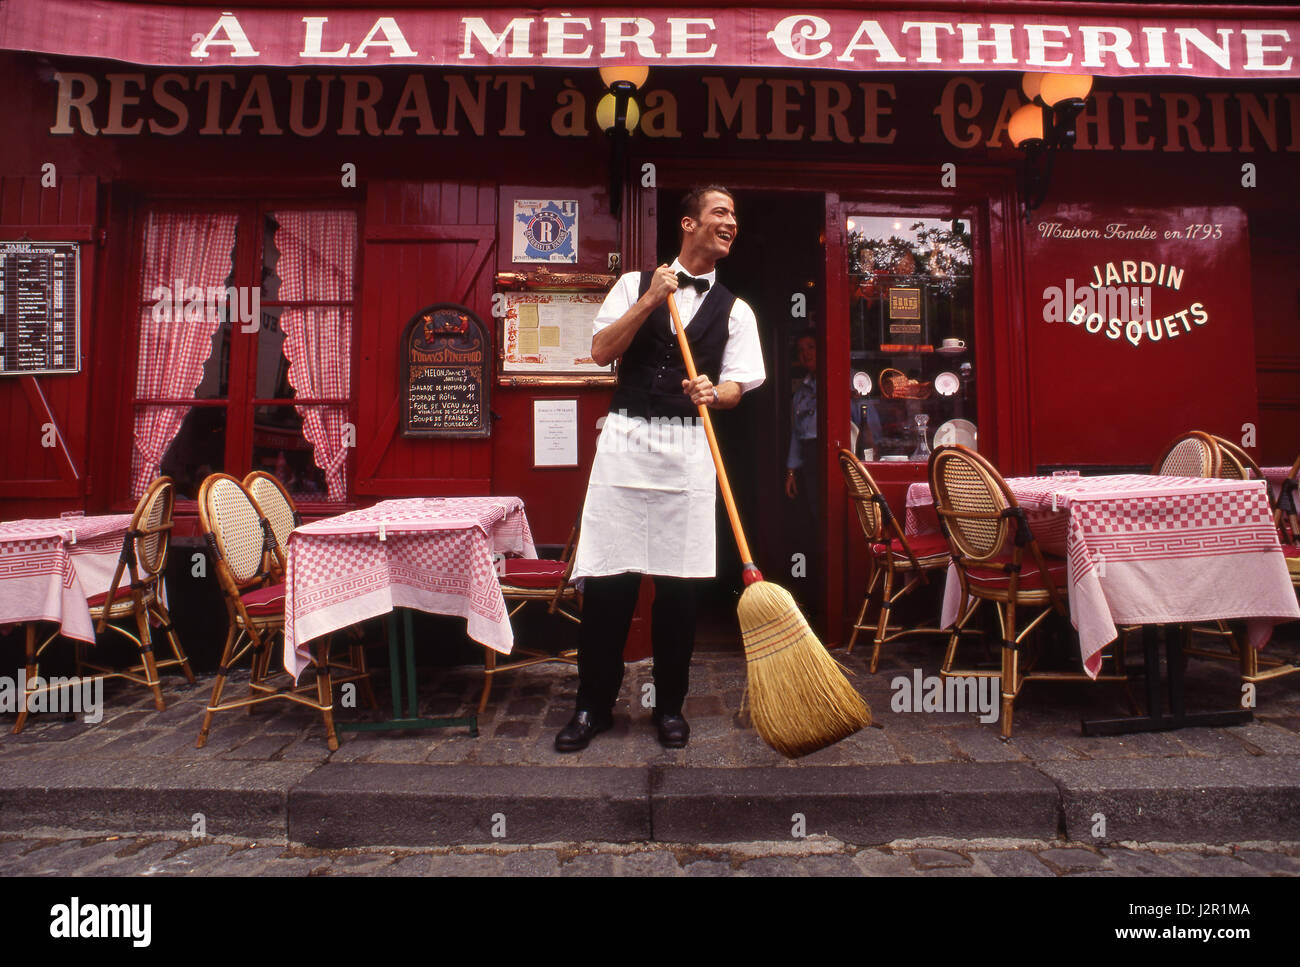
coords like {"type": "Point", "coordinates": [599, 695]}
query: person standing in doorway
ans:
{"type": "Point", "coordinates": [650, 499]}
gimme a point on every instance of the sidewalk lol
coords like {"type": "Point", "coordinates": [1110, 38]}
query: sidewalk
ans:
{"type": "Point", "coordinates": [269, 775]}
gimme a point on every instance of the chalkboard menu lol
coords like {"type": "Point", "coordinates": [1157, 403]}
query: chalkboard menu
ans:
{"type": "Point", "coordinates": [445, 355]}
{"type": "Point", "coordinates": [40, 308]}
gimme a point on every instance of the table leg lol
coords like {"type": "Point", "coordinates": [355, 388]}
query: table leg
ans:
{"type": "Point", "coordinates": [402, 665]}
{"type": "Point", "coordinates": [1155, 720]}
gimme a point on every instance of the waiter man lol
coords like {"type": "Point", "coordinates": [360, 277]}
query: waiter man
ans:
{"type": "Point", "coordinates": [649, 504]}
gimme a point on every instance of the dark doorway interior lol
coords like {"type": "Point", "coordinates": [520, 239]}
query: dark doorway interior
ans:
{"type": "Point", "coordinates": [779, 254]}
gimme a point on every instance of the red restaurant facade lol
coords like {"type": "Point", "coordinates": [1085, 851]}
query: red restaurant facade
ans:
{"type": "Point", "coordinates": [354, 166]}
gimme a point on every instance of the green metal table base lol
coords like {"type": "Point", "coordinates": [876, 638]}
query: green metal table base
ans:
{"type": "Point", "coordinates": [412, 719]}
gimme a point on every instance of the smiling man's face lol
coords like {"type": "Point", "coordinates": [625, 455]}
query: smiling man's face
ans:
{"type": "Point", "coordinates": [708, 237]}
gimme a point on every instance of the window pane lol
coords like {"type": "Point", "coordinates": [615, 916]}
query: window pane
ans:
{"type": "Point", "coordinates": [911, 334]}
{"type": "Point", "coordinates": [309, 256]}
{"type": "Point", "coordinates": [198, 449]}
{"type": "Point", "coordinates": [316, 340]}
{"type": "Point", "coordinates": [215, 384]}
{"type": "Point", "coordinates": [186, 265]}
{"type": "Point", "coordinates": [283, 446]}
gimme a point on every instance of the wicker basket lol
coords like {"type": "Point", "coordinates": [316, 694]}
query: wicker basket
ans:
{"type": "Point", "coordinates": [894, 385]}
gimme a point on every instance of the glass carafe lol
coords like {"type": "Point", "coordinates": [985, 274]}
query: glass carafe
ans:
{"type": "Point", "coordinates": [922, 452]}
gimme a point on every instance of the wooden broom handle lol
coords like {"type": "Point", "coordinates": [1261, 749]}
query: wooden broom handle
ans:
{"type": "Point", "coordinates": [727, 498]}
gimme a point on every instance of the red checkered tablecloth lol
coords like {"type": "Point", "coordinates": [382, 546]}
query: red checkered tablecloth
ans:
{"type": "Point", "coordinates": [49, 567]}
{"type": "Point", "coordinates": [1157, 550]}
{"type": "Point", "coordinates": [430, 553]}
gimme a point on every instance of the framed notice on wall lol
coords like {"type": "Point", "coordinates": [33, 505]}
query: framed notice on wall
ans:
{"type": "Point", "coordinates": [40, 308]}
{"type": "Point", "coordinates": [546, 338]}
{"type": "Point", "coordinates": [444, 361]}
{"type": "Point", "coordinates": [555, 433]}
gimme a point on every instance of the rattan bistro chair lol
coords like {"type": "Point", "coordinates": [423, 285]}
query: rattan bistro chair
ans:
{"type": "Point", "coordinates": [544, 581]}
{"type": "Point", "coordinates": [277, 509]}
{"type": "Point", "coordinates": [242, 546]}
{"type": "Point", "coordinates": [891, 554]}
{"type": "Point", "coordinates": [998, 560]}
{"type": "Point", "coordinates": [1194, 454]}
{"type": "Point", "coordinates": [1236, 464]}
{"type": "Point", "coordinates": [135, 595]}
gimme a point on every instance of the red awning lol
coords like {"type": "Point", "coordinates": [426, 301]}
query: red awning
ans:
{"type": "Point", "coordinates": [1088, 38]}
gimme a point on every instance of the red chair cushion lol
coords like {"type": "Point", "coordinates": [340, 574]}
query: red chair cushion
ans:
{"type": "Point", "coordinates": [533, 573]}
{"type": "Point", "coordinates": [265, 601]}
{"type": "Point", "coordinates": [97, 600]}
{"type": "Point", "coordinates": [1031, 578]}
{"type": "Point", "coordinates": [1291, 550]}
{"type": "Point", "coordinates": [923, 545]}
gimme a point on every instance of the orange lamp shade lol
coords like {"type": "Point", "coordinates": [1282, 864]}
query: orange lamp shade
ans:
{"type": "Point", "coordinates": [605, 113]}
{"type": "Point", "coordinates": [1065, 87]}
{"type": "Point", "coordinates": [629, 73]}
{"type": "Point", "coordinates": [1026, 125]}
{"type": "Point", "coordinates": [1031, 83]}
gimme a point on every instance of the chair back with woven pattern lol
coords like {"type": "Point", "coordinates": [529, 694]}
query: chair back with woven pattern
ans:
{"type": "Point", "coordinates": [1237, 464]}
{"type": "Point", "coordinates": [144, 546]}
{"type": "Point", "coordinates": [866, 497]}
{"type": "Point", "coordinates": [152, 527]}
{"type": "Point", "coordinates": [971, 500]}
{"type": "Point", "coordinates": [232, 524]}
{"type": "Point", "coordinates": [271, 497]}
{"type": "Point", "coordinates": [1193, 454]}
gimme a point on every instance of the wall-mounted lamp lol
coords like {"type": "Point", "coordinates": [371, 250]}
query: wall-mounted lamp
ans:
{"type": "Point", "coordinates": [618, 115]}
{"type": "Point", "coordinates": [1045, 126]}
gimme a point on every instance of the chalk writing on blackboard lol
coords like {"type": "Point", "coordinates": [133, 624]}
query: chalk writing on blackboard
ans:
{"type": "Point", "coordinates": [445, 353]}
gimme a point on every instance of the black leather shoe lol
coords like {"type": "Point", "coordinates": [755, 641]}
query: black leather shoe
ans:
{"type": "Point", "coordinates": [673, 731]}
{"type": "Point", "coordinates": [577, 734]}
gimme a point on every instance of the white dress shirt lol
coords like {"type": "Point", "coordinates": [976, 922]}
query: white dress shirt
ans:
{"type": "Point", "coordinates": [650, 498]}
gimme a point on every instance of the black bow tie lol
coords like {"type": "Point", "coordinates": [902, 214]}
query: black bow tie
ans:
{"type": "Point", "coordinates": [701, 285]}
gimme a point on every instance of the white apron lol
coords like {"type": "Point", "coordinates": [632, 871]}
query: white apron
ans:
{"type": "Point", "coordinates": [649, 501]}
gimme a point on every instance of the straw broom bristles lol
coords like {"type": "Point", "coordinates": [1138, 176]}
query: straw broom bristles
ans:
{"type": "Point", "coordinates": [799, 699]}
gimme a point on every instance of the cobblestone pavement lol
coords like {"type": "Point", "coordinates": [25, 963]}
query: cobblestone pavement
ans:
{"type": "Point", "coordinates": [527, 708]}
{"type": "Point", "coordinates": [61, 853]}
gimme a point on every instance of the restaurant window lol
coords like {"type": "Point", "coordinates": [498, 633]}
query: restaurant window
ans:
{"type": "Point", "coordinates": [244, 348]}
{"type": "Point", "coordinates": [911, 331]}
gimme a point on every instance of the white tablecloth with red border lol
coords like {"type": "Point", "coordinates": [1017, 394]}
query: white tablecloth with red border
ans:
{"type": "Point", "coordinates": [49, 567]}
{"type": "Point", "coordinates": [434, 554]}
{"type": "Point", "coordinates": [1153, 550]}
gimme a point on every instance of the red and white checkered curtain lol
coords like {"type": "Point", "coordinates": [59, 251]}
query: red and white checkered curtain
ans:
{"type": "Point", "coordinates": [181, 250]}
{"type": "Point", "coordinates": [317, 256]}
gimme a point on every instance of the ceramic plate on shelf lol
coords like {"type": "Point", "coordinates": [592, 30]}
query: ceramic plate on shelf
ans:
{"type": "Point", "coordinates": [951, 350]}
{"type": "Point", "coordinates": [862, 382]}
{"type": "Point", "coordinates": [947, 384]}
{"type": "Point", "coordinates": [956, 432]}
{"type": "Point", "coordinates": [895, 459]}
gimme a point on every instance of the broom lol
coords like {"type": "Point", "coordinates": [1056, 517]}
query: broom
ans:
{"type": "Point", "coordinates": [799, 699]}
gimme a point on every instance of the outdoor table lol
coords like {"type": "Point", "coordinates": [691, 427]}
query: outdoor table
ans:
{"type": "Point", "coordinates": [434, 554]}
{"type": "Point", "coordinates": [50, 567]}
{"type": "Point", "coordinates": [1154, 550]}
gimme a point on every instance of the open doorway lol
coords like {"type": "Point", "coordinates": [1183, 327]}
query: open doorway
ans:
{"type": "Point", "coordinates": [778, 257]}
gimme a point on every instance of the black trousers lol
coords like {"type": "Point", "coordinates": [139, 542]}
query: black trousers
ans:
{"type": "Point", "coordinates": [608, 604]}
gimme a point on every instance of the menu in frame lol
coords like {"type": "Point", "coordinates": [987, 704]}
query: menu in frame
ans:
{"type": "Point", "coordinates": [40, 308]}
{"type": "Point", "coordinates": [445, 365]}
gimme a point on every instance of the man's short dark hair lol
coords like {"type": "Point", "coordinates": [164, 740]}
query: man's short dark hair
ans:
{"type": "Point", "coordinates": [693, 200]}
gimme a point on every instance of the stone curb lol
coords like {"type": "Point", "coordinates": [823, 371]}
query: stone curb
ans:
{"type": "Point", "coordinates": [373, 804]}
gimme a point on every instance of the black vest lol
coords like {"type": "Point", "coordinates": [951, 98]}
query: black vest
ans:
{"type": "Point", "coordinates": [652, 369]}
